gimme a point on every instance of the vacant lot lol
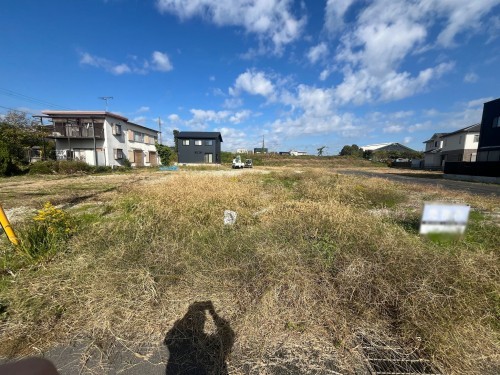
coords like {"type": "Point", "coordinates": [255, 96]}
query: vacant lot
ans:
{"type": "Point", "coordinates": [315, 260]}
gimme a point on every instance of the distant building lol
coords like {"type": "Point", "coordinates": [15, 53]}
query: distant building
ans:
{"type": "Point", "coordinates": [461, 145]}
{"type": "Point", "coordinates": [297, 153]}
{"type": "Point", "coordinates": [489, 139]}
{"type": "Point", "coordinates": [284, 152]}
{"type": "Point", "coordinates": [242, 151]}
{"type": "Point", "coordinates": [102, 138]}
{"type": "Point", "coordinates": [260, 150]}
{"type": "Point", "coordinates": [432, 154]}
{"type": "Point", "coordinates": [199, 147]}
{"type": "Point", "coordinates": [390, 146]}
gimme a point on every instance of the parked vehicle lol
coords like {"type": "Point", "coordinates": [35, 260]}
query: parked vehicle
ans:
{"type": "Point", "coordinates": [248, 163]}
{"type": "Point", "coordinates": [237, 163]}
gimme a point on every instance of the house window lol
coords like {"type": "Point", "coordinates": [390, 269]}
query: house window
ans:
{"type": "Point", "coordinates": [496, 122]}
{"type": "Point", "coordinates": [209, 142]}
{"type": "Point", "coordinates": [476, 138]}
{"type": "Point", "coordinates": [185, 142]}
{"type": "Point", "coordinates": [435, 144]}
{"type": "Point", "coordinates": [118, 152]}
{"type": "Point", "coordinates": [117, 129]}
{"type": "Point", "coordinates": [138, 137]}
{"type": "Point", "coordinates": [198, 142]}
{"type": "Point", "coordinates": [460, 140]}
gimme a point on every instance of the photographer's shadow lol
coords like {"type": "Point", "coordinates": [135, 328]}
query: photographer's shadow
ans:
{"type": "Point", "coordinates": [191, 350]}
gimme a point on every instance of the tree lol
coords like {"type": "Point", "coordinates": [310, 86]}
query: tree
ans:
{"type": "Point", "coordinates": [353, 150]}
{"type": "Point", "coordinates": [320, 150]}
{"type": "Point", "coordinates": [165, 153]}
{"type": "Point", "coordinates": [176, 134]}
{"type": "Point", "coordinates": [17, 134]}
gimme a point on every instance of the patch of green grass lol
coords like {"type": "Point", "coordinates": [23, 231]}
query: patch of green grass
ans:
{"type": "Point", "coordinates": [287, 180]}
{"type": "Point", "coordinates": [482, 233]}
{"type": "Point", "coordinates": [381, 197]}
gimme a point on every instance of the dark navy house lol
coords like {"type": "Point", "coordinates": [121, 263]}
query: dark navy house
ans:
{"type": "Point", "coordinates": [489, 138]}
{"type": "Point", "coordinates": [199, 147]}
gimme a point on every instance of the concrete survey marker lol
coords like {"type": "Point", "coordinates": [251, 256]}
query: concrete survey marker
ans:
{"type": "Point", "coordinates": [386, 357]}
{"type": "Point", "coordinates": [229, 217]}
{"type": "Point", "coordinates": [444, 218]}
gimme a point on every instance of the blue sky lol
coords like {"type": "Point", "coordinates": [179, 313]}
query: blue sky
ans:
{"type": "Point", "coordinates": [304, 74]}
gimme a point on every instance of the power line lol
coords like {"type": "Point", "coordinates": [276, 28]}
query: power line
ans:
{"type": "Point", "coordinates": [17, 110]}
{"type": "Point", "coordinates": [30, 99]}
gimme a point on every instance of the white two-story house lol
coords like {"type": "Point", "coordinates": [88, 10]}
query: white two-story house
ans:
{"type": "Point", "coordinates": [461, 145]}
{"type": "Point", "coordinates": [432, 154]}
{"type": "Point", "coordinates": [102, 138]}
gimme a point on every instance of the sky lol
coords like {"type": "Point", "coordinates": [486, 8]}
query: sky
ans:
{"type": "Point", "coordinates": [301, 74]}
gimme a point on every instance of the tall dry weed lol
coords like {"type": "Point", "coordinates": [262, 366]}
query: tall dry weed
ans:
{"type": "Point", "coordinates": [304, 260]}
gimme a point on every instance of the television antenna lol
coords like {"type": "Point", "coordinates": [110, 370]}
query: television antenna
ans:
{"type": "Point", "coordinates": [106, 98]}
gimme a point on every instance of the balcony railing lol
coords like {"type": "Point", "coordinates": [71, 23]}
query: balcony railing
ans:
{"type": "Point", "coordinates": [77, 131]}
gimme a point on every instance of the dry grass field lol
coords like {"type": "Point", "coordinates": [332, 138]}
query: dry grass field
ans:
{"type": "Point", "coordinates": [314, 260]}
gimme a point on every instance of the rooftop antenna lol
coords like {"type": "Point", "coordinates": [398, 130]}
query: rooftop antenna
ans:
{"type": "Point", "coordinates": [106, 98]}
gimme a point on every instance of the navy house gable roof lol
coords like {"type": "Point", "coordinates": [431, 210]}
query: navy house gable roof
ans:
{"type": "Point", "coordinates": [199, 135]}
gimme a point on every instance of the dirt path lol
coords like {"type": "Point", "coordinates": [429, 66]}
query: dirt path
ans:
{"type": "Point", "coordinates": [463, 186]}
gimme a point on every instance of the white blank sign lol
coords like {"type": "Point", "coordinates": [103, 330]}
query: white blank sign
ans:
{"type": "Point", "coordinates": [444, 218]}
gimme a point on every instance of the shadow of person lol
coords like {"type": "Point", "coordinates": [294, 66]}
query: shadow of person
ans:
{"type": "Point", "coordinates": [191, 350]}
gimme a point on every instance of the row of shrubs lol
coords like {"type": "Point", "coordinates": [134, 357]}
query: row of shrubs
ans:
{"type": "Point", "coordinates": [69, 167]}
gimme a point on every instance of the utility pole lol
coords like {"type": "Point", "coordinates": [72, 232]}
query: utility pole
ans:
{"type": "Point", "coordinates": [106, 98]}
{"type": "Point", "coordinates": [263, 144]}
{"type": "Point", "coordinates": [159, 126]}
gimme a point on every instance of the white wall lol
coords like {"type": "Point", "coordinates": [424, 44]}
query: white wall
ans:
{"type": "Point", "coordinates": [146, 146]}
{"type": "Point", "coordinates": [430, 145]}
{"type": "Point", "coordinates": [460, 141]}
{"type": "Point", "coordinates": [112, 142]}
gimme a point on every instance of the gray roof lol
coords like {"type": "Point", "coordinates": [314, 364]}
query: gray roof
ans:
{"type": "Point", "coordinates": [434, 136]}
{"type": "Point", "coordinates": [90, 114]}
{"type": "Point", "coordinates": [467, 129]}
{"type": "Point", "coordinates": [390, 146]}
{"type": "Point", "coordinates": [199, 135]}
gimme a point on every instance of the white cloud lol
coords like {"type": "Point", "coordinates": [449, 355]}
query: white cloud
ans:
{"type": "Point", "coordinates": [462, 15]}
{"type": "Point", "coordinates": [393, 129]}
{"type": "Point", "coordinates": [240, 116]}
{"type": "Point", "coordinates": [479, 102]}
{"type": "Point", "coordinates": [407, 140]}
{"type": "Point", "coordinates": [270, 20]}
{"type": "Point", "coordinates": [334, 13]}
{"type": "Point", "coordinates": [471, 77]}
{"type": "Point", "coordinates": [420, 126]}
{"type": "Point", "coordinates": [100, 62]}
{"type": "Point", "coordinates": [307, 123]}
{"type": "Point", "coordinates": [231, 103]}
{"type": "Point", "coordinates": [173, 117]}
{"type": "Point", "coordinates": [161, 62]}
{"type": "Point", "coordinates": [233, 138]}
{"type": "Point", "coordinates": [142, 109]}
{"type": "Point", "coordinates": [120, 69]}
{"type": "Point", "coordinates": [325, 73]}
{"type": "Point", "coordinates": [201, 116]}
{"type": "Point", "coordinates": [139, 120]}
{"type": "Point", "coordinates": [317, 52]}
{"type": "Point", "coordinates": [384, 34]}
{"type": "Point", "coordinates": [254, 83]}
{"type": "Point", "coordinates": [87, 58]}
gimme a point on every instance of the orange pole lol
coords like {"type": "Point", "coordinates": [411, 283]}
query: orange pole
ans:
{"type": "Point", "coordinates": [7, 227]}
